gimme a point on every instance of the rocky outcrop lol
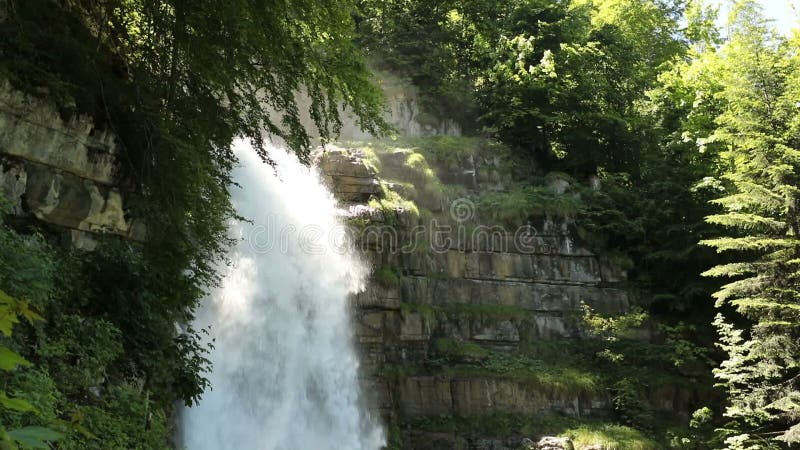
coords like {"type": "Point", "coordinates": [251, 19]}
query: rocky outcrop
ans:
{"type": "Point", "coordinates": [553, 443]}
{"type": "Point", "coordinates": [404, 113]}
{"type": "Point", "coordinates": [32, 129]}
{"type": "Point", "coordinates": [60, 172]}
{"type": "Point", "coordinates": [347, 174]}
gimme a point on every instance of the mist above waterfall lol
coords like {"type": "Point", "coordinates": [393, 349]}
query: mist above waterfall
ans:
{"type": "Point", "coordinates": [285, 374]}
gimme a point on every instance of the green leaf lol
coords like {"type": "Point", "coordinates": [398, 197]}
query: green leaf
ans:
{"type": "Point", "coordinates": [8, 316]}
{"type": "Point", "coordinates": [24, 310]}
{"type": "Point", "coordinates": [6, 443]}
{"type": "Point", "coordinates": [16, 404]}
{"type": "Point", "coordinates": [9, 359]}
{"type": "Point", "coordinates": [34, 437]}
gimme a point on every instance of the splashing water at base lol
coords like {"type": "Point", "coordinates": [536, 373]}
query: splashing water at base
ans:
{"type": "Point", "coordinates": [285, 373]}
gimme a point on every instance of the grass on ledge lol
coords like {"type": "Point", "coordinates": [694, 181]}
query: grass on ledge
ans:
{"type": "Point", "coordinates": [546, 375]}
{"type": "Point", "coordinates": [458, 350]}
{"type": "Point", "coordinates": [609, 437]}
{"type": "Point", "coordinates": [455, 359]}
{"type": "Point", "coordinates": [582, 431]}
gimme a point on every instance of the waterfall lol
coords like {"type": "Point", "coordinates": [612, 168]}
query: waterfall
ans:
{"type": "Point", "coordinates": [285, 374]}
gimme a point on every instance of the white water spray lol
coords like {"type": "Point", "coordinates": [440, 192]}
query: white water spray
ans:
{"type": "Point", "coordinates": [285, 373]}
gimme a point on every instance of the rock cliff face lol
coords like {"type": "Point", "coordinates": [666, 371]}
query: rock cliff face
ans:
{"type": "Point", "coordinates": [442, 326]}
{"type": "Point", "coordinates": [470, 322]}
{"type": "Point", "coordinates": [60, 172]}
{"type": "Point", "coordinates": [404, 112]}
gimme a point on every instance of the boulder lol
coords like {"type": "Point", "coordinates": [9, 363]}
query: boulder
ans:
{"type": "Point", "coordinates": [554, 443]}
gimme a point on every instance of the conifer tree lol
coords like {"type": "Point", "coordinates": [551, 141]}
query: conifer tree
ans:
{"type": "Point", "coordinates": [759, 129]}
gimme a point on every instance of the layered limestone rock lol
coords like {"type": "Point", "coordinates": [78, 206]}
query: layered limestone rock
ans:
{"type": "Point", "coordinates": [33, 130]}
{"type": "Point", "coordinates": [61, 172]}
{"type": "Point", "coordinates": [404, 113]}
{"type": "Point", "coordinates": [473, 395]}
{"type": "Point", "coordinates": [347, 174]}
{"type": "Point", "coordinates": [466, 297]}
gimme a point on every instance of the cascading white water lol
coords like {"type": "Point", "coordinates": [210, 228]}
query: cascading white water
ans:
{"type": "Point", "coordinates": [285, 373]}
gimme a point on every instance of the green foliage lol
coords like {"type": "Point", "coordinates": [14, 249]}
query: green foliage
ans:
{"type": "Point", "coordinates": [447, 150]}
{"type": "Point", "coordinates": [22, 437]}
{"type": "Point", "coordinates": [122, 418]}
{"type": "Point", "coordinates": [460, 351]}
{"type": "Point", "coordinates": [445, 153]}
{"type": "Point", "coordinates": [80, 350]}
{"type": "Point", "coordinates": [610, 437]}
{"type": "Point", "coordinates": [552, 372]}
{"type": "Point", "coordinates": [393, 372]}
{"type": "Point", "coordinates": [523, 202]}
{"type": "Point", "coordinates": [612, 328]}
{"type": "Point", "coordinates": [100, 373]}
{"type": "Point", "coordinates": [631, 403]}
{"type": "Point", "coordinates": [428, 312]}
{"type": "Point", "coordinates": [176, 84]}
{"type": "Point", "coordinates": [560, 376]}
{"type": "Point", "coordinates": [757, 71]}
{"type": "Point", "coordinates": [392, 203]}
{"type": "Point", "coordinates": [428, 43]}
{"type": "Point", "coordinates": [663, 113]}
{"type": "Point", "coordinates": [551, 369]}
{"type": "Point", "coordinates": [120, 284]}
{"type": "Point", "coordinates": [408, 178]}
{"type": "Point", "coordinates": [634, 366]}
{"type": "Point", "coordinates": [243, 64]}
{"type": "Point", "coordinates": [387, 276]}
{"type": "Point", "coordinates": [25, 267]}
{"type": "Point", "coordinates": [620, 90]}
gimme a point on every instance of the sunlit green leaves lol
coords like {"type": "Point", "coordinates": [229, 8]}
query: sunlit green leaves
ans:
{"type": "Point", "coordinates": [9, 360]}
{"type": "Point", "coordinates": [15, 404]}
